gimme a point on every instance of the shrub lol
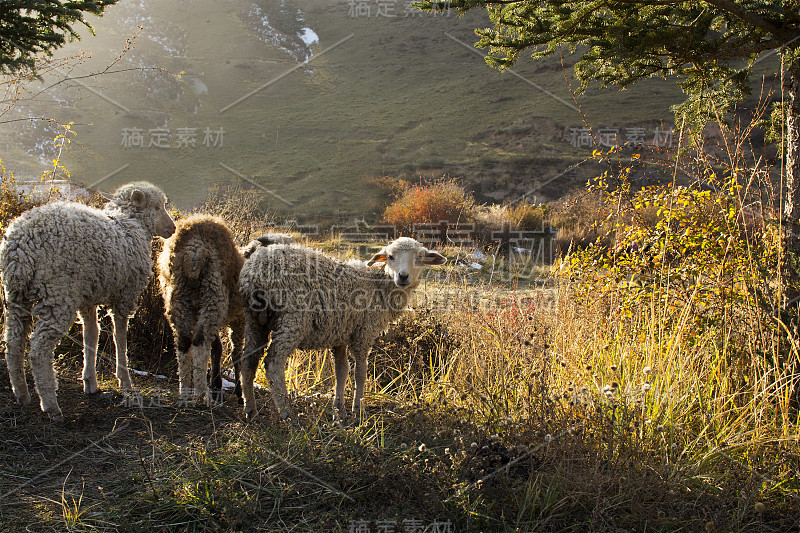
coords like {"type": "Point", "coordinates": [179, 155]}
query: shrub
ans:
{"type": "Point", "coordinates": [443, 199]}
{"type": "Point", "coordinates": [12, 202]}
{"type": "Point", "coordinates": [522, 216]}
{"type": "Point", "coordinates": [239, 208]}
{"type": "Point", "coordinates": [151, 345]}
{"type": "Point", "coordinates": [581, 219]}
{"type": "Point", "coordinates": [694, 253]}
{"type": "Point", "coordinates": [530, 217]}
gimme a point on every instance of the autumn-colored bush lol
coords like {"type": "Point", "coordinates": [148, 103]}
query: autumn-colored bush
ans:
{"type": "Point", "coordinates": [705, 251]}
{"type": "Point", "coordinates": [443, 199]}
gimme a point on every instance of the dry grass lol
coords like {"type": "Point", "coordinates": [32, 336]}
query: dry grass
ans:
{"type": "Point", "coordinates": [502, 403]}
{"type": "Point", "coordinates": [493, 409]}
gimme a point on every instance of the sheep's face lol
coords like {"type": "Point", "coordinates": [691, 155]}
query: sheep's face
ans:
{"type": "Point", "coordinates": [147, 203]}
{"type": "Point", "coordinates": [405, 259]}
{"type": "Point", "coordinates": [163, 225]}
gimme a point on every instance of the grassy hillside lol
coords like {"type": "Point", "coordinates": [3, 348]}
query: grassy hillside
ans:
{"type": "Point", "coordinates": [400, 96]}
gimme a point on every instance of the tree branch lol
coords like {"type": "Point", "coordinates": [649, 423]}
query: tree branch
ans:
{"type": "Point", "coordinates": [747, 16]}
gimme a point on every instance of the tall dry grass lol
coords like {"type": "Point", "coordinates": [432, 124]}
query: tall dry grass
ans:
{"type": "Point", "coordinates": [659, 368]}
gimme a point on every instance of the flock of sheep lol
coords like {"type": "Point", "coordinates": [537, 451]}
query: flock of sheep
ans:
{"type": "Point", "coordinates": [66, 259]}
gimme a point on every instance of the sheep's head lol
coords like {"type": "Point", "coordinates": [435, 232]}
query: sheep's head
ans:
{"type": "Point", "coordinates": [405, 259]}
{"type": "Point", "coordinates": [145, 202]}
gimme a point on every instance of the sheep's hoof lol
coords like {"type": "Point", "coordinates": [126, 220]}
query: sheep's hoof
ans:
{"type": "Point", "coordinates": [340, 415]}
{"type": "Point", "coordinates": [56, 418]}
{"type": "Point", "coordinates": [90, 388]}
{"type": "Point", "coordinates": [24, 399]}
{"type": "Point", "coordinates": [250, 415]}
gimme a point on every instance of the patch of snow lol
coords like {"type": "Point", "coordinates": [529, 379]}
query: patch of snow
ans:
{"type": "Point", "coordinates": [168, 36]}
{"type": "Point", "coordinates": [309, 36]}
{"type": "Point", "coordinates": [143, 373]}
{"type": "Point", "coordinates": [478, 255]}
{"type": "Point", "coordinates": [295, 43]}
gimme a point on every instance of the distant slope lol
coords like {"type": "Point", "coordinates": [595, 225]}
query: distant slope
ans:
{"type": "Point", "coordinates": [308, 121]}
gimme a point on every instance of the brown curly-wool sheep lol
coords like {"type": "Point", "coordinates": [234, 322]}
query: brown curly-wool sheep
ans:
{"type": "Point", "coordinates": [199, 274]}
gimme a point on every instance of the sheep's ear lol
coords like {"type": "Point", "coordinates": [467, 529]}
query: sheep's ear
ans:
{"type": "Point", "coordinates": [137, 198]}
{"type": "Point", "coordinates": [377, 258]}
{"type": "Point", "coordinates": [248, 250]}
{"type": "Point", "coordinates": [432, 258]}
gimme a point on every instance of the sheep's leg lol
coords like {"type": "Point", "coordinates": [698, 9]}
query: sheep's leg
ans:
{"type": "Point", "coordinates": [256, 338]}
{"type": "Point", "coordinates": [51, 326]}
{"type": "Point", "coordinates": [201, 353]}
{"type": "Point", "coordinates": [206, 340]}
{"type": "Point", "coordinates": [91, 334]}
{"type": "Point", "coordinates": [360, 355]}
{"type": "Point", "coordinates": [18, 323]}
{"type": "Point", "coordinates": [341, 370]}
{"type": "Point", "coordinates": [216, 371]}
{"type": "Point", "coordinates": [285, 340]}
{"type": "Point", "coordinates": [184, 356]}
{"type": "Point", "coordinates": [237, 340]}
{"type": "Point", "coordinates": [121, 345]}
{"type": "Point", "coordinates": [200, 357]}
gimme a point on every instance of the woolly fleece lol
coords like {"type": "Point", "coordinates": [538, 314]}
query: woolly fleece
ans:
{"type": "Point", "coordinates": [308, 300]}
{"type": "Point", "coordinates": [199, 274]}
{"type": "Point", "coordinates": [65, 258]}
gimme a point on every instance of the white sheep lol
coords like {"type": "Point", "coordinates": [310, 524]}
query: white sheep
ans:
{"type": "Point", "coordinates": [65, 258]}
{"type": "Point", "coordinates": [308, 300]}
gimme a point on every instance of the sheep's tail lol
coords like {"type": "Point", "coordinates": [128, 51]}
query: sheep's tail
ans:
{"type": "Point", "coordinates": [17, 265]}
{"type": "Point", "coordinates": [195, 257]}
